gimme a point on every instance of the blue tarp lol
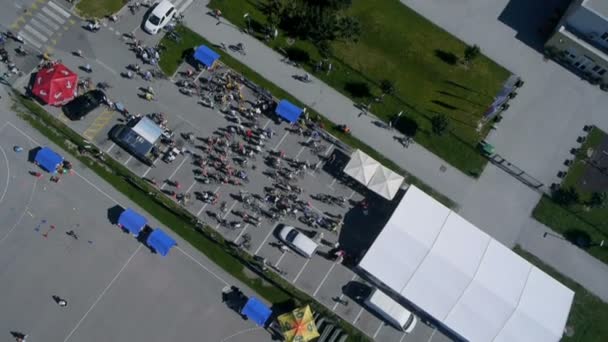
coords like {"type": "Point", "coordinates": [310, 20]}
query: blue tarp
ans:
{"type": "Point", "coordinates": [256, 311]}
{"type": "Point", "coordinates": [132, 221]}
{"type": "Point", "coordinates": [206, 56]}
{"type": "Point", "coordinates": [160, 242]}
{"type": "Point", "coordinates": [48, 159]}
{"type": "Point", "coordinates": [288, 111]}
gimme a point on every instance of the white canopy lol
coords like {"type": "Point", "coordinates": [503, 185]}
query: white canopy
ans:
{"type": "Point", "coordinates": [385, 182]}
{"type": "Point", "coordinates": [148, 129]}
{"type": "Point", "coordinates": [462, 277]}
{"type": "Point", "coordinates": [361, 167]}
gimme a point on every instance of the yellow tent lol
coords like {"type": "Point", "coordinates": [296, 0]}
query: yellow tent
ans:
{"type": "Point", "coordinates": [298, 325]}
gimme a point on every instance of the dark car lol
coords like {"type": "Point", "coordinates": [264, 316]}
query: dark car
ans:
{"type": "Point", "coordinates": [83, 104]}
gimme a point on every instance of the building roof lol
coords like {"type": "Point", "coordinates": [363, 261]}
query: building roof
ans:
{"type": "Point", "coordinates": [598, 6]}
{"type": "Point", "coordinates": [466, 280]}
{"type": "Point", "coordinates": [133, 141]}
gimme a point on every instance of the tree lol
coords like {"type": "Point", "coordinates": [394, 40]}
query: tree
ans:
{"type": "Point", "coordinates": [349, 29]}
{"type": "Point", "coordinates": [566, 196]}
{"type": "Point", "coordinates": [387, 87]}
{"type": "Point", "coordinates": [470, 53]}
{"type": "Point", "coordinates": [439, 124]}
{"type": "Point", "coordinates": [273, 11]}
{"type": "Point", "coordinates": [324, 48]}
{"type": "Point", "coordinates": [597, 200]}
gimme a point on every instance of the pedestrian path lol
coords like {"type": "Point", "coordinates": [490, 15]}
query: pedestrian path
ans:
{"type": "Point", "coordinates": [42, 24]}
{"type": "Point", "coordinates": [181, 5]}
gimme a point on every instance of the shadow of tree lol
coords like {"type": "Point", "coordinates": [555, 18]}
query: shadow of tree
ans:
{"type": "Point", "coordinates": [446, 57]}
{"type": "Point", "coordinates": [445, 105]}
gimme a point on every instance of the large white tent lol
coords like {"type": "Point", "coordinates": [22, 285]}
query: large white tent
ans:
{"type": "Point", "coordinates": [361, 167]}
{"type": "Point", "coordinates": [385, 182]}
{"type": "Point", "coordinates": [462, 277]}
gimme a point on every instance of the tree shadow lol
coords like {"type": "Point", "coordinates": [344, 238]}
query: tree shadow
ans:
{"type": "Point", "coordinates": [445, 105]}
{"type": "Point", "coordinates": [533, 20]}
{"type": "Point", "coordinates": [406, 125]}
{"type": "Point", "coordinates": [446, 57]}
{"type": "Point", "coordinates": [358, 89]}
{"type": "Point", "coordinates": [458, 85]}
{"type": "Point", "coordinates": [460, 98]}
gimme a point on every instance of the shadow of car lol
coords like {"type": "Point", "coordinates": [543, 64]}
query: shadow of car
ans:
{"type": "Point", "coordinates": [82, 105]}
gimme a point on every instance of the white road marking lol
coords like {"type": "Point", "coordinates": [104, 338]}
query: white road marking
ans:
{"type": "Point", "coordinates": [432, 334]}
{"type": "Point", "coordinates": [37, 34]}
{"type": "Point", "coordinates": [402, 337]}
{"type": "Point", "coordinates": [8, 174]}
{"type": "Point", "coordinates": [300, 273]}
{"type": "Point", "coordinates": [22, 214]}
{"type": "Point", "coordinates": [267, 123]}
{"type": "Point", "coordinates": [30, 40]}
{"type": "Point", "coordinates": [110, 148]}
{"type": "Point", "coordinates": [174, 172]}
{"type": "Point", "coordinates": [128, 160]}
{"type": "Point", "coordinates": [47, 21]}
{"type": "Point", "coordinates": [102, 293]}
{"type": "Point", "coordinates": [191, 186]}
{"type": "Point", "coordinates": [150, 167]}
{"type": "Point", "coordinates": [378, 330]}
{"type": "Point", "coordinates": [358, 315]}
{"type": "Point", "coordinates": [342, 294]}
{"type": "Point", "coordinates": [106, 67]}
{"type": "Point", "coordinates": [242, 232]}
{"type": "Point", "coordinates": [280, 259]}
{"type": "Point", "coordinates": [59, 9]}
{"type": "Point", "coordinates": [202, 266]}
{"type": "Point", "coordinates": [53, 15]}
{"type": "Point", "coordinates": [226, 215]}
{"type": "Point", "coordinates": [324, 278]}
{"type": "Point", "coordinates": [280, 141]}
{"type": "Point", "coordinates": [263, 242]}
{"type": "Point", "coordinates": [41, 26]}
{"type": "Point", "coordinates": [302, 149]}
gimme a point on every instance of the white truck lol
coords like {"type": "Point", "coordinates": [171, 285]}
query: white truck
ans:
{"type": "Point", "coordinates": [393, 312]}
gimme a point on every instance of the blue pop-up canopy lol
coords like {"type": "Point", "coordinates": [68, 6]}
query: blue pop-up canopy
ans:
{"type": "Point", "coordinates": [48, 159]}
{"type": "Point", "coordinates": [256, 311]}
{"type": "Point", "coordinates": [160, 242]}
{"type": "Point", "coordinates": [288, 111]}
{"type": "Point", "coordinates": [132, 221]}
{"type": "Point", "coordinates": [205, 55]}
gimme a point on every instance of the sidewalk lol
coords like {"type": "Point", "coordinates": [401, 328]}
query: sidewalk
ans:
{"type": "Point", "coordinates": [497, 203]}
{"type": "Point", "coordinates": [333, 105]}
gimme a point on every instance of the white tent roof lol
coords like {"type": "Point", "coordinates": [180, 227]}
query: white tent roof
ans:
{"type": "Point", "coordinates": [361, 167]}
{"type": "Point", "coordinates": [148, 129]}
{"type": "Point", "coordinates": [385, 182]}
{"type": "Point", "coordinates": [462, 277]}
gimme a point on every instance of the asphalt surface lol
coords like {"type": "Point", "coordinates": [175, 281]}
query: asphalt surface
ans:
{"type": "Point", "coordinates": [319, 276]}
{"type": "Point", "coordinates": [116, 289]}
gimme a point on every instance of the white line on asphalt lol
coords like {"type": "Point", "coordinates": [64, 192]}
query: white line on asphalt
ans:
{"type": "Point", "coordinates": [241, 233]}
{"type": "Point", "coordinates": [150, 167]}
{"type": "Point", "coordinates": [263, 242]}
{"type": "Point", "coordinates": [47, 21]}
{"type": "Point", "coordinates": [331, 146]}
{"type": "Point", "coordinates": [175, 171]}
{"type": "Point", "coordinates": [53, 15]}
{"type": "Point", "coordinates": [301, 270]}
{"type": "Point", "coordinates": [280, 258]}
{"type": "Point", "coordinates": [59, 9]}
{"type": "Point", "coordinates": [23, 213]}
{"type": "Point", "coordinates": [110, 148]}
{"type": "Point", "coordinates": [402, 337]}
{"type": "Point", "coordinates": [202, 266]}
{"type": "Point", "coordinates": [191, 186]}
{"type": "Point", "coordinates": [105, 66]}
{"type": "Point", "coordinates": [378, 330]}
{"type": "Point", "coordinates": [280, 141]}
{"type": "Point", "coordinates": [226, 215]}
{"type": "Point", "coordinates": [267, 123]}
{"type": "Point", "coordinates": [331, 185]}
{"type": "Point", "coordinates": [128, 160]}
{"type": "Point", "coordinates": [302, 149]}
{"type": "Point", "coordinates": [206, 204]}
{"type": "Point", "coordinates": [37, 34]}
{"type": "Point", "coordinates": [432, 334]}
{"type": "Point", "coordinates": [358, 315]}
{"type": "Point", "coordinates": [102, 293]}
{"type": "Point", "coordinates": [342, 295]}
{"type": "Point", "coordinates": [8, 174]}
{"type": "Point", "coordinates": [324, 278]}
{"type": "Point", "coordinates": [41, 26]}
{"type": "Point", "coordinates": [30, 40]}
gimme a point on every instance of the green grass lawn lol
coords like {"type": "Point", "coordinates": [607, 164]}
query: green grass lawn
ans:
{"type": "Point", "coordinates": [176, 51]}
{"type": "Point", "coordinates": [593, 221]}
{"type": "Point", "coordinates": [99, 8]}
{"type": "Point", "coordinates": [399, 45]}
{"type": "Point", "coordinates": [588, 315]}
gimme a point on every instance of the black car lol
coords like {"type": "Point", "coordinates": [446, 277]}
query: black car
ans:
{"type": "Point", "coordinates": [83, 104]}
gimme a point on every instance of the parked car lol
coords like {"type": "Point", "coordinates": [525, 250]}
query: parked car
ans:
{"type": "Point", "coordinates": [298, 241]}
{"type": "Point", "coordinates": [82, 105]}
{"type": "Point", "coordinates": [161, 14]}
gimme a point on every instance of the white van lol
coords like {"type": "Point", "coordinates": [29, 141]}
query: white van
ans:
{"type": "Point", "coordinates": [298, 241]}
{"type": "Point", "coordinates": [393, 312]}
{"type": "Point", "coordinates": [162, 13]}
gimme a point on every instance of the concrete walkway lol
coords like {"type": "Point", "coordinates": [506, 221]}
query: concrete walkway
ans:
{"type": "Point", "coordinates": [496, 202]}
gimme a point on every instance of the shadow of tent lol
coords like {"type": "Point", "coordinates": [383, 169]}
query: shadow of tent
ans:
{"type": "Point", "coordinates": [143, 238]}
{"type": "Point", "coordinates": [356, 291]}
{"type": "Point", "coordinates": [114, 213]}
{"type": "Point", "coordinates": [31, 154]}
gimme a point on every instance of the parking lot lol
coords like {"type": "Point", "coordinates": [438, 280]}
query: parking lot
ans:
{"type": "Point", "coordinates": [320, 276]}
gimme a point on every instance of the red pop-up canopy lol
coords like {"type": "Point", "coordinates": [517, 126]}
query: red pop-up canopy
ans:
{"type": "Point", "coordinates": [55, 85]}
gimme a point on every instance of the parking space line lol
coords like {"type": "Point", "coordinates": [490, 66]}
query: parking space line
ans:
{"type": "Point", "coordinates": [402, 337]}
{"type": "Point", "coordinates": [102, 294]}
{"type": "Point", "coordinates": [226, 215]}
{"type": "Point", "coordinates": [281, 141]}
{"type": "Point", "coordinates": [342, 294]}
{"type": "Point", "coordinates": [206, 204]}
{"type": "Point", "coordinates": [324, 278]}
{"type": "Point", "coordinates": [128, 160]}
{"type": "Point", "coordinates": [358, 315]}
{"type": "Point", "coordinates": [110, 148]}
{"type": "Point", "coordinates": [351, 195]}
{"type": "Point", "coordinates": [280, 258]}
{"type": "Point", "coordinates": [191, 186]}
{"type": "Point", "coordinates": [302, 149]}
{"type": "Point", "coordinates": [241, 233]}
{"type": "Point", "coordinates": [378, 330]}
{"type": "Point", "coordinates": [174, 172]}
{"type": "Point", "coordinates": [301, 270]}
{"type": "Point", "coordinates": [150, 167]}
{"type": "Point", "coordinates": [432, 334]}
{"type": "Point", "coordinates": [263, 242]}
{"type": "Point", "coordinates": [266, 124]}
